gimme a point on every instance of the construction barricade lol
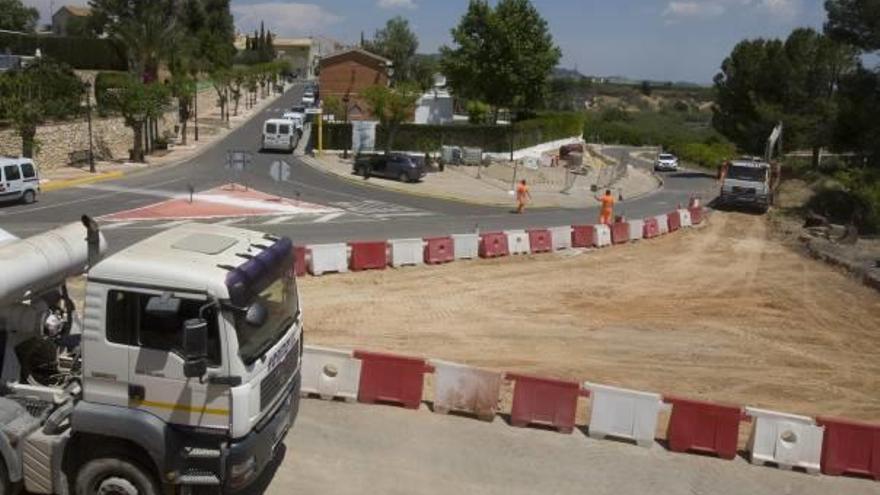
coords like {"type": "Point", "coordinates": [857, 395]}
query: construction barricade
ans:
{"type": "Point", "coordinates": [696, 215]}
{"type": "Point", "coordinates": [602, 235]}
{"type": "Point", "coordinates": [850, 447]}
{"type": "Point", "coordinates": [583, 236]}
{"type": "Point", "coordinates": [371, 255]}
{"type": "Point", "coordinates": [703, 427]}
{"type": "Point", "coordinates": [684, 216]}
{"type": "Point", "coordinates": [543, 401]}
{"type": "Point", "coordinates": [561, 237]}
{"type": "Point", "coordinates": [493, 245]}
{"type": "Point", "coordinates": [623, 413]}
{"type": "Point", "coordinates": [439, 250]}
{"type": "Point", "coordinates": [540, 241]}
{"type": "Point", "coordinates": [662, 224]}
{"type": "Point", "coordinates": [466, 389]}
{"type": "Point", "coordinates": [673, 221]}
{"type": "Point", "coordinates": [619, 233]}
{"type": "Point", "coordinates": [391, 378]}
{"type": "Point", "coordinates": [406, 252]}
{"type": "Point", "coordinates": [466, 246]}
{"type": "Point", "coordinates": [636, 229]}
{"type": "Point", "coordinates": [327, 258]}
{"type": "Point", "coordinates": [652, 228]}
{"type": "Point", "coordinates": [330, 373]}
{"type": "Point", "coordinates": [517, 242]}
{"type": "Point", "coordinates": [787, 440]}
{"type": "Point", "coordinates": [299, 261]}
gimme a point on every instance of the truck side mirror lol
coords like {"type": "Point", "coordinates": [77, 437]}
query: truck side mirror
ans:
{"type": "Point", "coordinates": [195, 348]}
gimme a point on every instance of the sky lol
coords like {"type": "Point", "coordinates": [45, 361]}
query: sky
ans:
{"type": "Point", "coordinates": [677, 40]}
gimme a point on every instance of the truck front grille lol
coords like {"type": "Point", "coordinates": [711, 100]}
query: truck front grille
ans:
{"type": "Point", "coordinates": [277, 378]}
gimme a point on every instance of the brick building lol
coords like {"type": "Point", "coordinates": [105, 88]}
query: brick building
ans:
{"type": "Point", "coordinates": [348, 73]}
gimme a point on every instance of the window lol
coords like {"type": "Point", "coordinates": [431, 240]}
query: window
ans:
{"type": "Point", "coordinates": [12, 172]}
{"type": "Point", "coordinates": [27, 169]}
{"type": "Point", "coordinates": [270, 128]}
{"type": "Point", "coordinates": [284, 129]}
{"type": "Point", "coordinates": [129, 324]}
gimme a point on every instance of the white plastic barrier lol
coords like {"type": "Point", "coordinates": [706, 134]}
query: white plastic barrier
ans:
{"type": "Point", "coordinates": [406, 252]}
{"type": "Point", "coordinates": [685, 216]}
{"type": "Point", "coordinates": [328, 258]}
{"type": "Point", "coordinates": [788, 440]}
{"type": "Point", "coordinates": [662, 224]}
{"type": "Point", "coordinates": [330, 373]}
{"type": "Point", "coordinates": [467, 246]}
{"type": "Point", "coordinates": [518, 242]}
{"type": "Point", "coordinates": [603, 235]}
{"type": "Point", "coordinates": [561, 237]}
{"type": "Point", "coordinates": [636, 230]}
{"type": "Point", "coordinates": [462, 388]}
{"type": "Point", "coordinates": [623, 413]}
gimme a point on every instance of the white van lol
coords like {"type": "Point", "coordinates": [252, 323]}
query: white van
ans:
{"type": "Point", "coordinates": [279, 134]}
{"type": "Point", "coordinates": [19, 180]}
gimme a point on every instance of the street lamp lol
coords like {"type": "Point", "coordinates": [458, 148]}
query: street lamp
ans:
{"type": "Point", "coordinates": [88, 88]}
{"type": "Point", "coordinates": [345, 100]}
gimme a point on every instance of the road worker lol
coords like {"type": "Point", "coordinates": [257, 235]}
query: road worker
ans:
{"type": "Point", "coordinates": [607, 212]}
{"type": "Point", "coordinates": [523, 196]}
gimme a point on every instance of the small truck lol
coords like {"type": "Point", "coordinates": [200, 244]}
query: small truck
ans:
{"type": "Point", "coordinates": [748, 183]}
{"type": "Point", "coordinates": [182, 373]}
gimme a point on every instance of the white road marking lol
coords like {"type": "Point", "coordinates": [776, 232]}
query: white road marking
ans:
{"type": "Point", "coordinates": [229, 221]}
{"type": "Point", "coordinates": [168, 225]}
{"type": "Point", "coordinates": [115, 225]}
{"type": "Point", "coordinates": [328, 217]}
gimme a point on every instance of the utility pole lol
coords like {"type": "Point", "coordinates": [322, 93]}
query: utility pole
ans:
{"type": "Point", "coordinates": [89, 120]}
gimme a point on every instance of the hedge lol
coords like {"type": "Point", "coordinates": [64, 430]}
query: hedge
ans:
{"type": "Point", "coordinates": [79, 53]}
{"type": "Point", "coordinates": [491, 138]}
{"type": "Point", "coordinates": [105, 81]}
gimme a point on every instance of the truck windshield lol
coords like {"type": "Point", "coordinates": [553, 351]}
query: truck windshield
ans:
{"type": "Point", "coordinates": [751, 174]}
{"type": "Point", "coordinates": [280, 303]}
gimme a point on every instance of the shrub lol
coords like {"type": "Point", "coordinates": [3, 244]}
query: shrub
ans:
{"type": "Point", "coordinates": [105, 83]}
{"type": "Point", "coordinates": [79, 53]}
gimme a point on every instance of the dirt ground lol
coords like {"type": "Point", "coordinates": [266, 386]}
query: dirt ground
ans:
{"type": "Point", "coordinates": [724, 312]}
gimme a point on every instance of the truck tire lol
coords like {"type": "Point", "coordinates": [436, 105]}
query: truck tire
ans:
{"type": "Point", "coordinates": [111, 476]}
{"type": "Point", "coordinates": [28, 197]}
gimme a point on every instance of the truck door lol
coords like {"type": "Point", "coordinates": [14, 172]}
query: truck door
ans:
{"type": "Point", "coordinates": [12, 183]}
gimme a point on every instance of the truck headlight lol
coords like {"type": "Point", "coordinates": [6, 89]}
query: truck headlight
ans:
{"type": "Point", "coordinates": [240, 473]}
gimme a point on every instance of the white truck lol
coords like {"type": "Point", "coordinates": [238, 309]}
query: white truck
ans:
{"type": "Point", "coordinates": [748, 183]}
{"type": "Point", "coordinates": [182, 374]}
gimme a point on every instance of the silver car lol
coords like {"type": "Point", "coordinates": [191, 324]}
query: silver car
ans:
{"type": "Point", "coordinates": [666, 161]}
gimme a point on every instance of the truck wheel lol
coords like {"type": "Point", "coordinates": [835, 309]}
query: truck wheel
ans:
{"type": "Point", "coordinates": [108, 476]}
{"type": "Point", "coordinates": [403, 177]}
{"type": "Point", "coordinates": [28, 197]}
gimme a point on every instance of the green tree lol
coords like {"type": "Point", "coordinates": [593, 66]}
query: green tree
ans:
{"type": "Point", "coordinates": [238, 79]}
{"type": "Point", "coordinates": [42, 91]}
{"type": "Point", "coordinates": [503, 56]}
{"type": "Point", "coordinates": [138, 102]}
{"type": "Point", "coordinates": [183, 88]}
{"type": "Point", "coordinates": [855, 22]}
{"type": "Point", "coordinates": [397, 43]}
{"type": "Point", "coordinates": [17, 17]}
{"type": "Point", "coordinates": [392, 106]}
{"type": "Point", "coordinates": [422, 71]}
{"type": "Point", "coordinates": [332, 105]}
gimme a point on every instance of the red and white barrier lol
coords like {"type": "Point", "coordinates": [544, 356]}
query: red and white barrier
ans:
{"type": "Point", "coordinates": [583, 236]}
{"type": "Point", "coordinates": [540, 241]}
{"type": "Point", "coordinates": [517, 242]}
{"type": "Point", "coordinates": [786, 440]}
{"type": "Point", "coordinates": [673, 220]}
{"type": "Point", "coordinates": [406, 252]}
{"type": "Point", "coordinates": [652, 228]}
{"type": "Point", "coordinates": [330, 373]}
{"type": "Point", "coordinates": [704, 427]}
{"type": "Point", "coordinates": [544, 401]}
{"type": "Point", "coordinates": [561, 237]}
{"type": "Point", "coordinates": [493, 245]}
{"type": "Point", "coordinates": [300, 268]}
{"type": "Point", "coordinates": [466, 246]}
{"type": "Point", "coordinates": [439, 250]}
{"type": "Point", "coordinates": [619, 233]}
{"type": "Point", "coordinates": [636, 230]}
{"type": "Point", "coordinates": [326, 258]}
{"type": "Point", "coordinates": [463, 388]}
{"type": "Point", "coordinates": [662, 224]}
{"type": "Point", "coordinates": [623, 413]}
{"type": "Point", "coordinates": [368, 255]}
{"type": "Point", "coordinates": [850, 447]}
{"type": "Point", "coordinates": [391, 378]}
{"type": "Point", "coordinates": [602, 236]}
{"type": "Point", "coordinates": [684, 216]}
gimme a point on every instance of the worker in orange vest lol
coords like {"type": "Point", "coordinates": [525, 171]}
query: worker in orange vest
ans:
{"type": "Point", "coordinates": [605, 215]}
{"type": "Point", "coordinates": [522, 196]}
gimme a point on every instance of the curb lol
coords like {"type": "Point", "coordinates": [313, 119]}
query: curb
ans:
{"type": "Point", "coordinates": [56, 185]}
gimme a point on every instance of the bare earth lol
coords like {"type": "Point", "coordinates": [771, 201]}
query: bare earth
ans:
{"type": "Point", "coordinates": [723, 313]}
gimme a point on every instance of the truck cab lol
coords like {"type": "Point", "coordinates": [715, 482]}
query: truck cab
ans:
{"type": "Point", "coordinates": [747, 183]}
{"type": "Point", "coordinates": [190, 353]}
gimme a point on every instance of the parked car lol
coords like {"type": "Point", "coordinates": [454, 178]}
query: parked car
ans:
{"type": "Point", "coordinates": [280, 134]}
{"type": "Point", "coordinates": [394, 166]}
{"type": "Point", "coordinates": [19, 180]}
{"type": "Point", "coordinates": [308, 98]}
{"type": "Point", "coordinates": [666, 161]}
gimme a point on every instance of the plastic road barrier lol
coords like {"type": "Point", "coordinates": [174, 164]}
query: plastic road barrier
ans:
{"type": "Point", "coordinates": [545, 401]}
{"type": "Point", "coordinates": [328, 258]}
{"type": "Point", "coordinates": [493, 244]}
{"type": "Point", "coordinates": [662, 224]}
{"type": "Point", "coordinates": [636, 230]}
{"type": "Point", "coordinates": [623, 413]}
{"type": "Point", "coordinates": [674, 219]}
{"type": "Point", "coordinates": [370, 255]}
{"type": "Point", "coordinates": [652, 228]}
{"type": "Point", "coordinates": [517, 242]}
{"type": "Point", "coordinates": [330, 373]}
{"type": "Point", "coordinates": [583, 236]}
{"type": "Point", "coordinates": [299, 261]}
{"type": "Point", "coordinates": [619, 233]}
{"type": "Point", "coordinates": [561, 237]}
{"type": "Point", "coordinates": [685, 216]}
{"type": "Point", "coordinates": [603, 235]}
{"type": "Point", "coordinates": [439, 250]}
{"type": "Point", "coordinates": [786, 440]}
{"type": "Point", "coordinates": [703, 427]}
{"type": "Point", "coordinates": [850, 447]}
{"type": "Point", "coordinates": [466, 246]}
{"type": "Point", "coordinates": [696, 215]}
{"type": "Point", "coordinates": [462, 388]}
{"type": "Point", "coordinates": [391, 378]}
{"type": "Point", "coordinates": [406, 252]}
{"type": "Point", "coordinates": [540, 241]}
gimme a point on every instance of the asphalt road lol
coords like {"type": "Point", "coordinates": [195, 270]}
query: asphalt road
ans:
{"type": "Point", "coordinates": [368, 212]}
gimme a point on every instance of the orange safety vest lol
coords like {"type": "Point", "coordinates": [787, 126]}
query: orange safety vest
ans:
{"type": "Point", "coordinates": [607, 203]}
{"type": "Point", "coordinates": [521, 191]}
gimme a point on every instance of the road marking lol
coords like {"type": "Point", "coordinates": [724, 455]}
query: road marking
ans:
{"type": "Point", "coordinates": [229, 221]}
{"type": "Point", "coordinates": [115, 225]}
{"type": "Point", "coordinates": [277, 220]}
{"type": "Point", "coordinates": [168, 225]}
{"type": "Point", "coordinates": [330, 216]}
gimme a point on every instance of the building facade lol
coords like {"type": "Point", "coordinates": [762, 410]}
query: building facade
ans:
{"type": "Point", "coordinates": [62, 18]}
{"type": "Point", "coordinates": [346, 74]}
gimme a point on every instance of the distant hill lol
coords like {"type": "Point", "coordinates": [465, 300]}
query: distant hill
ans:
{"type": "Point", "coordinates": [563, 73]}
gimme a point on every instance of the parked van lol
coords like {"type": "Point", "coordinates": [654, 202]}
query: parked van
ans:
{"type": "Point", "coordinates": [19, 180]}
{"type": "Point", "coordinates": [279, 134]}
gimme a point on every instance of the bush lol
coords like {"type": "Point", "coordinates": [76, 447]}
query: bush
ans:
{"type": "Point", "coordinates": [105, 82]}
{"type": "Point", "coordinates": [79, 53]}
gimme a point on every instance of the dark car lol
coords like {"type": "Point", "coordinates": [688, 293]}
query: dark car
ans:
{"type": "Point", "coordinates": [393, 166]}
